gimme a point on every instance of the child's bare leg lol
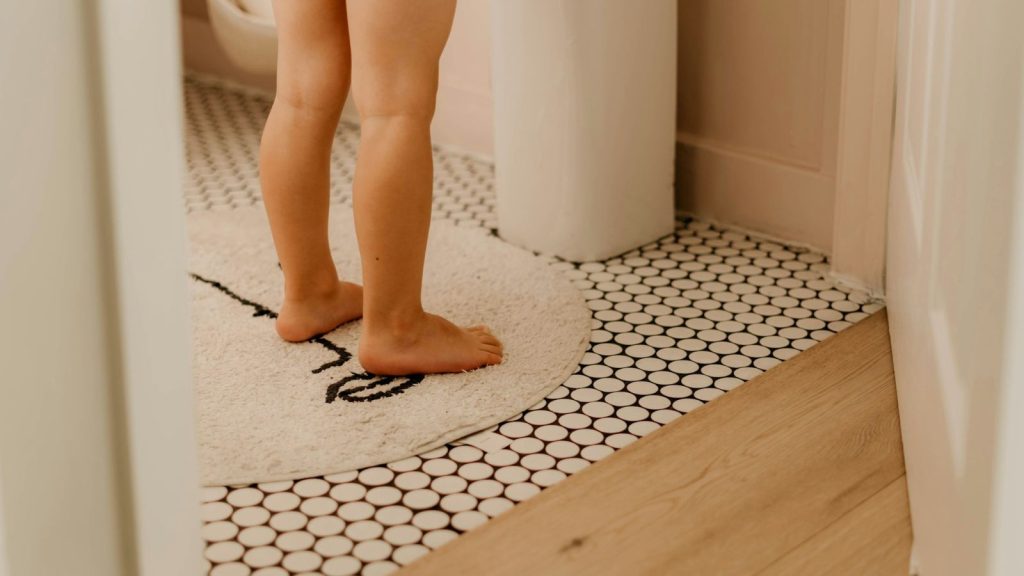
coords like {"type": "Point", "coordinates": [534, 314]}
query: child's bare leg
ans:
{"type": "Point", "coordinates": [396, 45]}
{"type": "Point", "coordinates": [314, 69]}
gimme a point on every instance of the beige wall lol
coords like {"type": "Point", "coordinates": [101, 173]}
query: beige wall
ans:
{"type": "Point", "coordinates": [758, 113]}
{"type": "Point", "coordinates": [464, 117]}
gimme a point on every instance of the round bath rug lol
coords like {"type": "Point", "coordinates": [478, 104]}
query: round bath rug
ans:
{"type": "Point", "coordinates": [269, 410]}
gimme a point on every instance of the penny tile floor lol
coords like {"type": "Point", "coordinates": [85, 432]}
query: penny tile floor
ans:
{"type": "Point", "coordinates": [676, 324]}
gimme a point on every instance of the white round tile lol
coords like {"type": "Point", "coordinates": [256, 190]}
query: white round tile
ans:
{"type": "Point", "coordinates": [437, 538]}
{"type": "Point", "coordinates": [468, 520]}
{"type": "Point", "coordinates": [460, 502]}
{"type": "Point", "coordinates": [393, 515]}
{"type": "Point", "coordinates": [412, 480]}
{"type": "Point", "coordinates": [402, 535]}
{"type": "Point", "coordinates": [527, 445]}
{"type": "Point", "coordinates": [304, 561]}
{"type": "Point", "coordinates": [463, 454]}
{"type": "Point", "coordinates": [515, 429]}
{"type": "Point", "coordinates": [548, 477]}
{"type": "Point", "coordinates": [348, 492]}
{"type": "Point", "coordinates": [244, 497]}
{"type": "Point", "coordinates": [381, 568]}
{"type": "Point", "coordinates": [406, 555]}
{"type": "Point", "coordinates": [231, 569]}
{"type": "Point", "coordinates": [325, 526]}
{"type": "Point", "coordinates": [281, 502]}
{"type": "Point", "coordinates": [333, 546]}
{"type": "Point", "coordinates": [502, 457]}
{"type": "Point", "coordinates": [212, 493]}
{"type": "Point", "coordinates": [364, 530]}
{"type": "Point", "coordinates": [421, 499]}
{"type": "Point", "coordinates": [262, 557]}
{"type": "Point", "coordinates": [257, 536]}
{"type": "Point", "coordinates": [440, 467]}
{"type": "Point", "coordinates": [495, 506]}
{"type": "Point", "coordinates": [476, 471]}
{"type": "Point", "coordinates": [376, 476]}
{"type": "Point", "coordinates": [448, 485]}
{"type": "Point", "coordinates": [383, 495]}
{"type": "Point", "coordinates": [219, 531]}
{"type": "Point", "coordinates": [288, 521]}
{"type": "Point", "coordinates": [406, 464]}
{"type": "Point", "coordinates": [251, 516]}
{"type": "Point", "coordinates": [221, 552]}
{"type": "Point", "coordinates": [342, 566]}
{"type": "Point", "coordinates": [293, 542]}
{"type": "Point", "coordinates": [318, 506]}
{"type": "Point", "coordinates": [430, 520]}
{"type": "Point", "coordinates": [311, 487]}
{"type": "Point", "coordinates": [214, 511]}
{"type": "Point", "coordinates": [521, 491]}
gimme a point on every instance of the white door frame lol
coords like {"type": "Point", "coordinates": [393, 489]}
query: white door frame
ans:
{"type": "Point", "coordinates": [954, 279]}
{"type": "Point", "coordinates": [1006, 555]}
{"type": "Point", "coordinates": [864, 146]}
{"type": "Point", "coordinates": [140, 62]}
{"type": "Point", "coordinates": [99, 473]}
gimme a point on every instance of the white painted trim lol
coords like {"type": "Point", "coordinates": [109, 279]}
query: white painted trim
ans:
{"type": "Point", "coordinates": [63, 469]}
{"type": "Point", "coordinates": [1005, 554]}
{"type": "Point", "coordinates": [143, 127]}
{"type": "Point", "coordinates": [855, 283]}
{"type": "Point", "coordinates": [4, 565]}
{"type": "Point", "coordinates": [764, 195]}
{"type": "Point", "coordinates": [867, 99]}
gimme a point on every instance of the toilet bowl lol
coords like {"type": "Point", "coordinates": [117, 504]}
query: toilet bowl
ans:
{"type": "Point", "coordinates": [246, 31]}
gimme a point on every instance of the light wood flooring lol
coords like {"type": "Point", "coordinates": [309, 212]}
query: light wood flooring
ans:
{"type": "Point", "coordinates": [799, 471]}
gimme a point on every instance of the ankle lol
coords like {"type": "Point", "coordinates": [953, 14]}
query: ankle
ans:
{"type": "Point", "coordinates": [311, 290]}
{"type": "Point", "coordinates": [400, 325]}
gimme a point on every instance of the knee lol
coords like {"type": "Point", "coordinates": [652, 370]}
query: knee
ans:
{"type": "Point", "coordinates": [406, 97]}
{"type": "Point", "coordinates": [314, 88]}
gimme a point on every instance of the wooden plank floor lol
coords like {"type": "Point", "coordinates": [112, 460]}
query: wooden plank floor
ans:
{"type": "Point", "coordinates": [799, 471]}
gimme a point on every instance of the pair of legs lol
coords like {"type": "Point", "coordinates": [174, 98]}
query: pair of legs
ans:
{"type": "Point", "coordinates": [389, 49]}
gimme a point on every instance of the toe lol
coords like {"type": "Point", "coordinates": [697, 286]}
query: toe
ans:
{"type": "Point", "coordinates": [492, 358]}
{"type": "Point", "coordinates": [492, 349]}
{"type": "Point", "coordinates": [487, 338]}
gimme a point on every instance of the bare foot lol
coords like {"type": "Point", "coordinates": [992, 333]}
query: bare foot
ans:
{"type": "Point", "coordinates": [300, 320]}
{"type": "Point", "coordinates": [428, 346]}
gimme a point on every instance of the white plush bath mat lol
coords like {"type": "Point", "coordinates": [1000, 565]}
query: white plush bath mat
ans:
{"type": "Point", "coordinates": [269, 410]}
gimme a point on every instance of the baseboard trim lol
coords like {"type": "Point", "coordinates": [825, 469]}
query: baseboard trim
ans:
{"type": "Point", "coordinates": [763, 195]}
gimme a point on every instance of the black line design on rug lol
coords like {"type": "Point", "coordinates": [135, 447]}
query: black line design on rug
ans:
{"type": "Point", "coordinates": [384, 386]}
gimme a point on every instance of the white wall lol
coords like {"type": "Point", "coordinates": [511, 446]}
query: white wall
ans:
{"type": "Point", "coordinates": [1006, 556]}
{"type": "Point", "coordinates": [96, 437]}
{"type": "Point", "coordinates": [61, 470]}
